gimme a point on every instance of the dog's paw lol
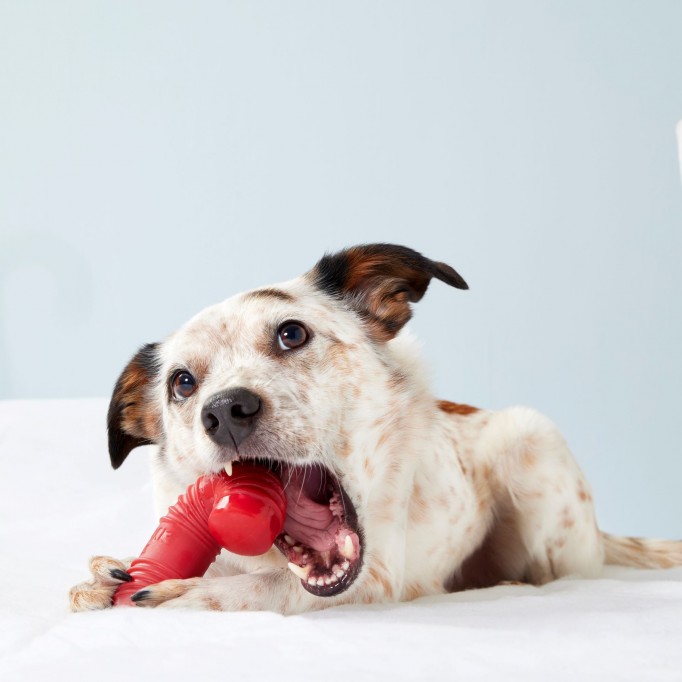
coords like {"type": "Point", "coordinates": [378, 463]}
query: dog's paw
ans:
{"type": "Point", "coordinates": [107, 575]}
{"type": "Point", "coordinates": [192, 593]}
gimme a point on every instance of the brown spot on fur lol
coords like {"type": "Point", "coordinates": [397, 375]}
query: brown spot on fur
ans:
{"type": "Point", "coordinates": [456, 408]}
{"type": "Point", "coordinates": [583, 494]}
{"type": "Point", "coordinates": [462, 466]}
{"type": "Point", "coordinates": [378, 575]}
{"type": "Point", "coordinates": [397, 380]}
{"type": "Point", "coordinates": [368, 467]}
{"type": "Point", "coordinates": [212, 604]}
{"type": "Point", "coordinates": [392, 471]}
{"type": "Point", "coordinates": [383, 438]}
{"type": "Point", "coordinates": [419, 505]}
{"type": "Point", "coordinates": [528, 459]}
{"type": "Point", "coordinates": [482, 487]}
{"type": "Point", "coordinates": [443, 501]}
{"type": "Point", "coordinates": [345, 448]}
{"type": "Point", "coordinates": [199, 368]}
{"type": "Point", "coordinates": [337, 356]}
{"type": "Point", "coordinates": [414, 591]}
{"type": "Point", "coordinates": [269, 292]}
{"type": "Point", "coordinates": [383, 511]}
{"type": "Point", "coordinates": [567, 521]}
{"type": "Point", "coordinates": [379, 423]}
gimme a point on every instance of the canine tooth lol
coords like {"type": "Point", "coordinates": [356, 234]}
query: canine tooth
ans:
{"type": "Point", "coordinates": [345, 565]}
{"type": "Point", "coordinates": [299, 571]}
{"type": "Point", "coordinates": [228, 468]}
{"type": "Point", "coordinates": [290, 540]}
{"type": "Point", "coordinates": [348, 550]}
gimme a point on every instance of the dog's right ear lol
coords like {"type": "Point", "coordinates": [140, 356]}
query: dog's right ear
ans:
{"type": "Point", "coordinates": [133, 419]}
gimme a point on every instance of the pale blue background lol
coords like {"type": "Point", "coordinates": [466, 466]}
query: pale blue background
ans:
{"type": "Point", "coordinates": [159, 156]}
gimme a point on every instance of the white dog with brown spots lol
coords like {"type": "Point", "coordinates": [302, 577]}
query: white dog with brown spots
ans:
{"type": "Point", "coordinates": [392, 494]}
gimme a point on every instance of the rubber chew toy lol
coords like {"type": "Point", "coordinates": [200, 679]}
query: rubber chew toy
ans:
{"type": "Point", "coordinates": [243, 513]}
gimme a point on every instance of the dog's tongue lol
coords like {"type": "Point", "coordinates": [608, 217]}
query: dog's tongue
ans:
{"type": "Point", "coordinates": [309, 518]}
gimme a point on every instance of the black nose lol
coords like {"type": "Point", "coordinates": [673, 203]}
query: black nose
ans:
{"type": "Point", "coordinates": [230, 416]}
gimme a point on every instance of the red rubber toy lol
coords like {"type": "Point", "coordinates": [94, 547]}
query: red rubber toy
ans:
{"type": "Point", "coordinates": [243, 513]}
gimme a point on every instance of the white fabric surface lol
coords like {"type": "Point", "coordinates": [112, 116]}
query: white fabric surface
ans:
{"type": "Point", "coordinates": [60, 503]}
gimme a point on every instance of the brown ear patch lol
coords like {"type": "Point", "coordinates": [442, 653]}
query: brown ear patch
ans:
{"type": "Point", "coordinates": [132, 419]}
{"type": "Point", "coordinates": [379, 281]}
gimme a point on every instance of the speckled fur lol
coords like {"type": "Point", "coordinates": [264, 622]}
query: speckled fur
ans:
{"type": "Point", "coordinates": [448, 496]}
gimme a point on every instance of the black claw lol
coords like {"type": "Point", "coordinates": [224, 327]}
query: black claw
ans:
{"type": "Point", "coordinates": [120, 575]}
{"type": "Point", "coordinates": [141, 595]}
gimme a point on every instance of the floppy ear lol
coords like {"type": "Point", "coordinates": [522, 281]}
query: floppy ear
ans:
{"type": "Point", "coordinates": [379, 281]}
{"type": "Point", "coordinates": [133, 419]}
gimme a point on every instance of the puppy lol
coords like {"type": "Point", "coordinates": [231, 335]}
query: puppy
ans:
{"type": "Point", "coordinates": [392, 494]}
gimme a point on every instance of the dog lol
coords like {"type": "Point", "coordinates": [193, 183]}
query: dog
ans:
{"type": "Point", "coordinates": [392, 493]}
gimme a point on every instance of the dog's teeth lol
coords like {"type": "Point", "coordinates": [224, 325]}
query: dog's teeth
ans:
{"type": "Point", "coordinates": [290, 540]}
{"type": "Point", "coordinates": [348, 550]}
{"type": "Point", "coordinates": [228, 468]}
{"type": "Point", "coordinates": [298, 549]}
{"type": "Point", "coordinates": [345, 565]}
{"type": "Point", "coordinates": [299, 571]}
{"type": "Point", "coordinates": [338, 571]}
{"type": "Point", "coordinates": [312, 581]}
{"type": "Point", "coordinates": [320, 581]}
{"type": "Point", "coordinates": [327, 581]}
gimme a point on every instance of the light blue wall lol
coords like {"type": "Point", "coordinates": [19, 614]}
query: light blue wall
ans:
{"type": "Point", "coordinates": [159, 156]}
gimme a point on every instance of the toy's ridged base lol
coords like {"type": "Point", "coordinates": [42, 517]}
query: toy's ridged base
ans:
{"type": "Point", "coordinates": [243, 513]}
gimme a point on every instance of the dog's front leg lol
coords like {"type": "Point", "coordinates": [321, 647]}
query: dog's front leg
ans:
{"type": "Point", "coordinates": [266, 590]}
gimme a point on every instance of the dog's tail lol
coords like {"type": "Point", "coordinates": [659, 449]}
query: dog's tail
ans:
{"type": "Point", "coordinates": [641, 553]}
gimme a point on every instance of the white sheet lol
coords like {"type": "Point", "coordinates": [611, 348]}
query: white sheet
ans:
{"type": "Point", "coordinates": [60, 502]}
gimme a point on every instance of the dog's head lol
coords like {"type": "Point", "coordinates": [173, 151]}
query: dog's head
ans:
{"type": "Point", "coordinates": [286, 376]}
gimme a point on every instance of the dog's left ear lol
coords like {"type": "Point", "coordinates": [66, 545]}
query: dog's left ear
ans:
{"type": "Point", "coordinates": [379, 281]}
{"type": "Point", "coordinates": [133, 419]}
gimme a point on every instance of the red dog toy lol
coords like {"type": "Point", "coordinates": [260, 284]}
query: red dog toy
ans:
{"type": "Point", "coordinates": [243, 513]}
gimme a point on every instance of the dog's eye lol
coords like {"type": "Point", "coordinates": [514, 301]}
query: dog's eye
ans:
{"type": "Point", "coordinates": [291, 335]}
{"type": "Point", "coordinates": [183, 384]}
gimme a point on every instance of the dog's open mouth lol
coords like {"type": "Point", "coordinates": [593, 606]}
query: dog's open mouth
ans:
{"type": "Point", "coordinates": [322, 540]}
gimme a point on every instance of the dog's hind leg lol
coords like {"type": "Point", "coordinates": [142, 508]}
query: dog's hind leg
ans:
{"type": "Point", "coordinates": [545, 524]}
